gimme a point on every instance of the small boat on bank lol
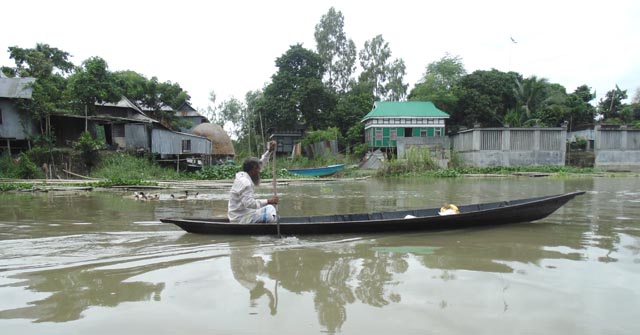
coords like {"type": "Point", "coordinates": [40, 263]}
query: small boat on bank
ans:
{"type": "Point", "coordinates": [318, 171]}
{"type": "Point", "coordinates": [468, 216]}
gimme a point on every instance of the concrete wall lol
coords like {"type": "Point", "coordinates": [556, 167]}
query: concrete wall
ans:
{"type": "Point", "coordinates": [617, 149]}
{"type": "Point", "coordinates": [484, 147]}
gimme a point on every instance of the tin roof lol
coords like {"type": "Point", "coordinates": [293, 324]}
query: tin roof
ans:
{"type": "Point", "coordinates": [405, 109]}
{"type": "Point", "coordinates": [16, 87]}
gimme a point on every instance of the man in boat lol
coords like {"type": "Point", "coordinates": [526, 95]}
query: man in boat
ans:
{"type": "Point", "coordinates": [243, 205]}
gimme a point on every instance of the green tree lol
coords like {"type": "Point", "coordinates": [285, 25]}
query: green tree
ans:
{"type": "Point", "coordinates": [49, 66]}
{"type": "Point", "coordinates": [484, 97]}
{"type": "Point", "coordinates": [131, 84]}
{"type": "Point", "coordinates": [158, 99]}
{"type": "Point", "coordinates": [438, 82]}
{"type": "Point", "coordinates": [336, 51]}
{"type": "Point", "coordinates": [92, 83]}
{"type": "Point", "coordinates": [580, 111]}
{"type": "Point", "coordinates": [395, 87]}
{"type": "Point", "coordinates": [249, 138]}
{"type": "Point", "coordinates": [611, 106]}
{"type": "Point", "coordinates": [352, 107]}
{"type": "Point", "coordinates": [384, 75]}
{"type": "Point", "coordinates": [530, 94]}
{"type": "Point", "coordinates": [296, 93]}
{"type": "Point", "coordinates": [553, 111]}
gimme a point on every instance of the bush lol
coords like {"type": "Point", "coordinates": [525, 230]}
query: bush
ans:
{"type": "Point", "coordinates": [88, 148]}
{"type": "Point", "coordinates": [321, 135]}
{"type": "Point", "coordinates": [27, 169]}
{"type": "Point", "coordinates": [8, 167]}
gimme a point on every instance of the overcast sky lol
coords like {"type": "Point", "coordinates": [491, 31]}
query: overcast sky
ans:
{"type": "Point", "coordinates": [230, 46]}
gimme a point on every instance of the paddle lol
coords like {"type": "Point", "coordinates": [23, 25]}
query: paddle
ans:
{"type": "Point", "coordinates": [275, 191]}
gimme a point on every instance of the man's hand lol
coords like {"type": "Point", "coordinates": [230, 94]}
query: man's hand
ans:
{"type": "Point", "coordinates": [272, 146]}
{"type": "Point", "coordinates": [273, 200]}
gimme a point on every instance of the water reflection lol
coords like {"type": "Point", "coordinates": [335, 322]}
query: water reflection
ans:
{"type": "Point", "coordinates": [72, 290]}
{"type": "Point", "coordinates": [246, 267]}
{"type": "Point", "coordinates": [335, 278]}
{"type": "Point", "coordinates": [61, 256]}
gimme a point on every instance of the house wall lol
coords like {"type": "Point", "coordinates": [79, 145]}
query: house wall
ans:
{"type": "Point", "coordinates": [12, 126]}
{"type": "Point", "coordinates": [388, 136]}
{"type": "Point", "coordinates": [136, 136]}
{"type": "Point", "coordinates": [166, 142]}
{"type": "Point", "coordinates": [617, 149]}
{"type": "Point", "coordinates": [484, 147]}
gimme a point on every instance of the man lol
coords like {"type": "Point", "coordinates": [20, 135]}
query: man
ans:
{"type": "Point", "coordinates": [243, 206]}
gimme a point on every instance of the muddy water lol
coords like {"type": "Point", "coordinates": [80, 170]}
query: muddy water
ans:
{"type": "Point", "coordinates": [102, 263]}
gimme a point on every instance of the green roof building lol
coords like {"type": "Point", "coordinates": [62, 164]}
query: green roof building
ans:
{"type": "Point", "coordinates": [391, 120]}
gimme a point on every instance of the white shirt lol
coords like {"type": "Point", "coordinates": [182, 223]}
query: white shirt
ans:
{"type": "Point", "coordinates": [242, 202]}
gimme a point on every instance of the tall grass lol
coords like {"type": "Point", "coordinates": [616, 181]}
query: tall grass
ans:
{"type": "Point", "coordinates": [418, 161]}
{"type": "Point", "coordinates": [122, 166]}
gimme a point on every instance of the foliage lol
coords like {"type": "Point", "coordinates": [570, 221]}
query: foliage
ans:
{"type": "Point", "coordinates": [121, 166]}
{"type": "Point", "coordinates": [117, 181]}
{"type": "Point", "coordinates": [8, 167]}
{"type": "Point", "coordinates": [579, 143]}
{"type": "Point", "coordinates": [484, 97]}
{"type": "Point", "coordinates": [27, 169]}
{"type": "Point", "coordinates": [611, 105]}
{"type": "Point", "coordinates": [360, 150]}
{"type": "Point", "coordinates": [512, 169]}
{"type": "Point", "coordinates": [438, 82]}
{"type": "Point", "coordinates": [418, 161]}
{"type": "Point", "coordinates": [88, 148]}
{"type": "Point", "coordinates": [5, 187]}
{"type": "Point", "coordinates": [579, 111]}
{"type": "Point", "coordinates": [296, 93]}
{"type": "Point", "coordinates": [456, 160]}
{"type": "Point", "coordinates": [352, 107]}
{"type": "Point", "coordinates": [227, 172]}
{"type": "Point", "coordinates": [157, 99]}
{"type": "Point", "coordinates": [385, 76]}
{"type": "Point", "coordinates": [321, 135]}
{"type": "Point", "coordinates": [218, 172]}
{"type": "Point", "coordinates": [336, 51]}
{"type": "Point", "coordinates": [92, 83]}
{"type": "Point", "coordinates": [48, 65]}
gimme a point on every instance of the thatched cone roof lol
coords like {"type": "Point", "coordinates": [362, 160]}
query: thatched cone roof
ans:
{"type": "Point", "coordinates": [220, 141]}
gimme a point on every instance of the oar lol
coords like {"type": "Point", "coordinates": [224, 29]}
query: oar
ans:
{"type": "Point", "coordinates": [275, 191]}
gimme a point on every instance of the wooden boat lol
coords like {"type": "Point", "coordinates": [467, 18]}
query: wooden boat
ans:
{"type": "Point", "coordinates": [476, 215]}
{"type": "Point", "coordinates": [318, 171]}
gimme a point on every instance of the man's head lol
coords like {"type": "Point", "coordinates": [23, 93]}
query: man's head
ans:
{"type": "Point", "coordinates": [253, 167]}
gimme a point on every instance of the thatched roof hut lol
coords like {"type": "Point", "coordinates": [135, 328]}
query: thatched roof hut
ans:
{"type": "Point", "coordinates": [220, 142]}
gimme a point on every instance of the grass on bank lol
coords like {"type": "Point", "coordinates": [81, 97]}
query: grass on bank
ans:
{"type": "Point", "coordinates": [124, 169]}
{"type": "Point", "coordinates": [419, 162]}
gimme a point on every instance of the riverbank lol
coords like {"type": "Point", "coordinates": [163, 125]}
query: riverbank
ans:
{"type": "Point", "coordinates": [84, 184]}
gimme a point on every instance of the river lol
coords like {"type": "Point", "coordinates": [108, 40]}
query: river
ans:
{"type": "Point", "coordinates": [100, 262]}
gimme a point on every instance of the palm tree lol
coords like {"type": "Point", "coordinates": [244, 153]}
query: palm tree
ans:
{"type": "Point", "coordinates": [530, 94]}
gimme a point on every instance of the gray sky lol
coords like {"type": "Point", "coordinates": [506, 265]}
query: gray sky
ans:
{"type": "Point", "coordinates": [230, 46]}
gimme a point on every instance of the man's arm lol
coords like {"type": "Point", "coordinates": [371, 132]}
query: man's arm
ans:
{"type": "Point", "coordinates": [267, 154]}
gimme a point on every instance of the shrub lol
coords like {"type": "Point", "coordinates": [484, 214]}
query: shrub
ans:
{"type": "Point", "coordinates": [26, 168]}
{"type": "Point", "coordinates": [88, 148]}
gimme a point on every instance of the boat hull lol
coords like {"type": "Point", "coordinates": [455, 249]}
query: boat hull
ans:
{"type": "Point", "coordinates": [476, 215]}
{"type": "Point", "coordinates": [318, 172]}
